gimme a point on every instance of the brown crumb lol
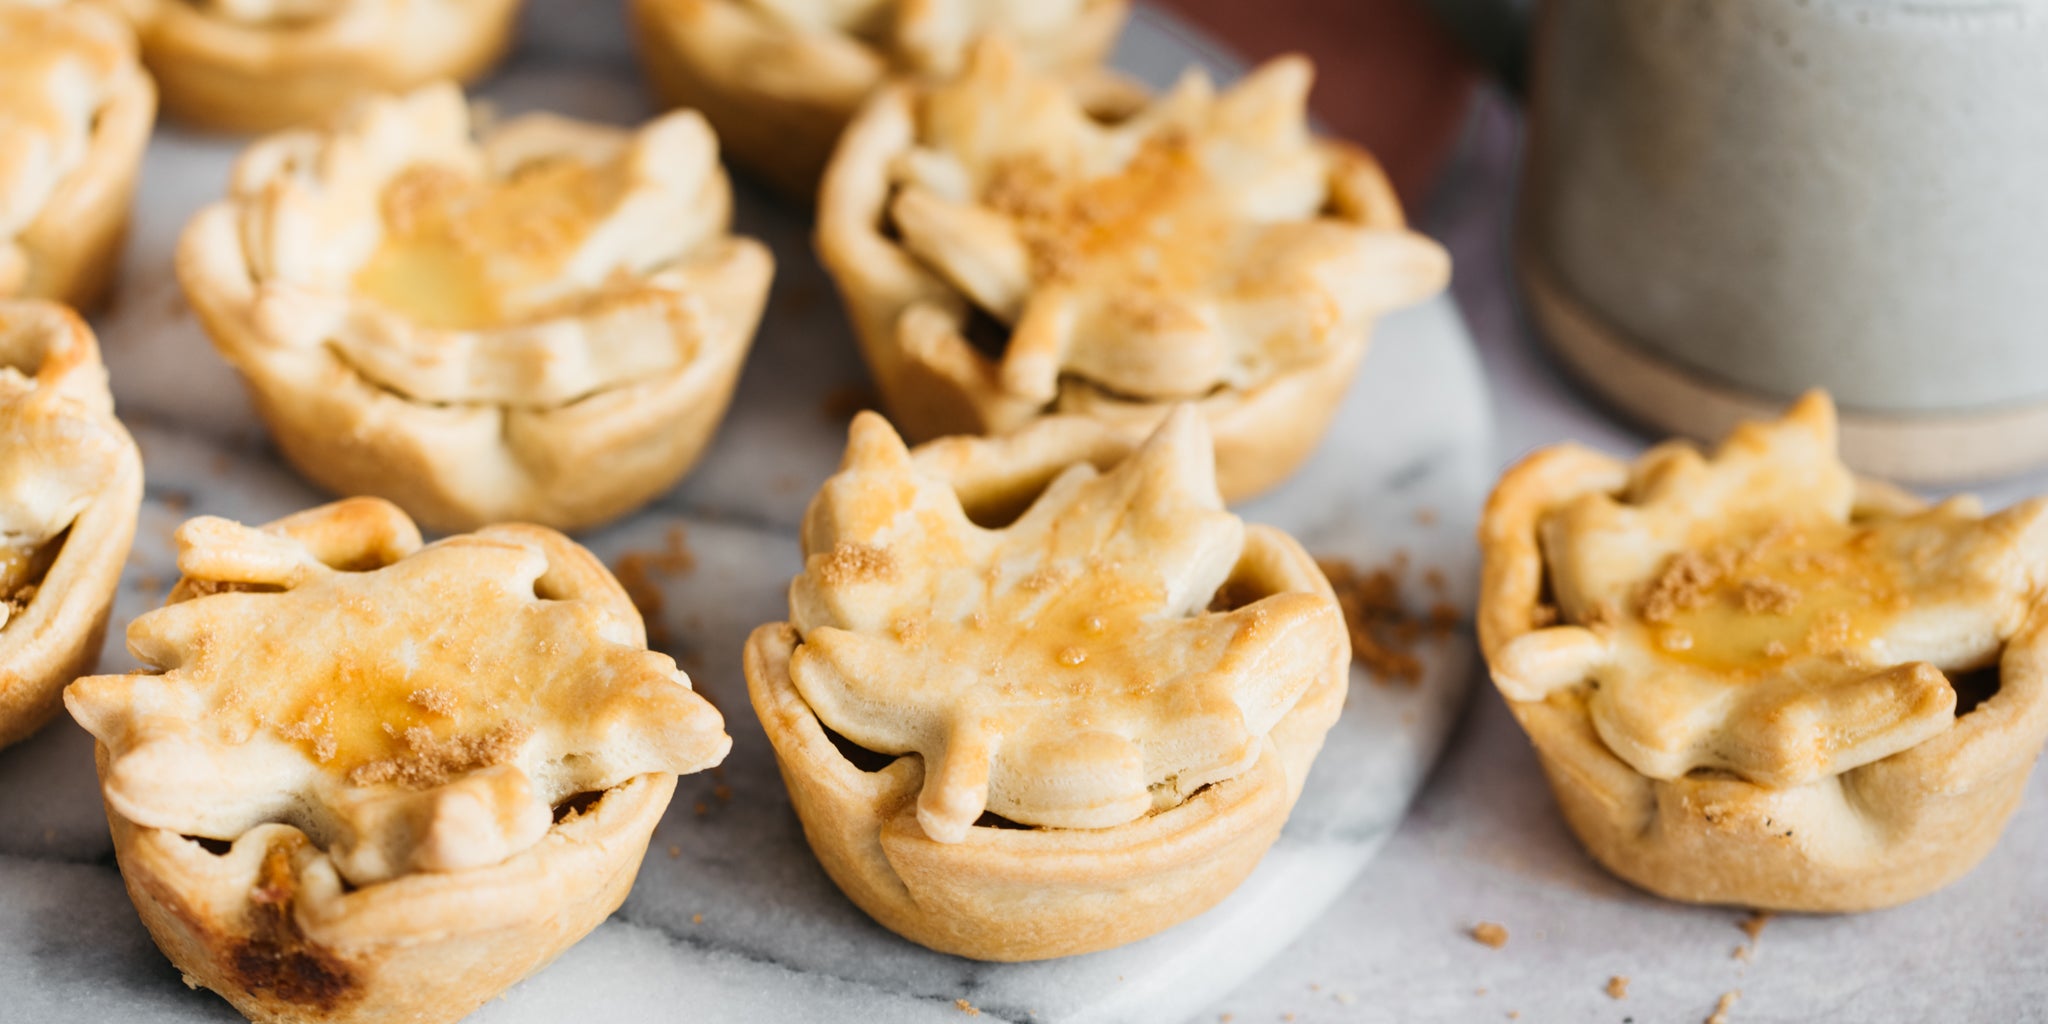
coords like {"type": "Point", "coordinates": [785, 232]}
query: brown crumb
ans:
{"type": "Point", "coordinates": [966, 1007]}
{"type": "Point", "coordinates": [675, 852]}
{"type": "Point", "coordinates": [721, 792]}
{"type": "Point", "coordinates": [1425, 516]}
{"type": "Point", "coordinates": [701, 809]}
{"type": "Point", "coordinates": [176, 501]}
{"type": "Point", "coordinates": [1617, 987]}
{"type": "Point", "coordinates": [1727, 1002]}
{"type": "Point", "coordinates": [856, 563]}
{"type": "Point", "coordinates": [1514, 1015]}
{"type": "Point", "coordinates": [1489, 934]}
{"type": "Point", "coordinates": [637, 572]}
{"type": "Point", "coordinates": [1753, 925]}
{"type": "Point", "coordinates": [843, 402]}
{"type": "Point", "coordinates": [1761, 595]}
{"type": "Point", "coordinates": [149, 583]}
{"type": "Point", "coordinates": [1743, 953]}
{"type": "Point", "coordinates": [696, 919]}
{"type": "Point", "coordinates": [1384, 634]}
{"type": "Point", "coordinates": [431, 761]}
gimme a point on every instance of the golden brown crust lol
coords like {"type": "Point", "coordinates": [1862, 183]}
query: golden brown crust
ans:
{"type": "Point", "coordinates": [539, 751]}
{"type": "Point", "coordinates": [1003, 891]}
{"type": "Point", "coordinates": [268, 926]}
{"type": "Point", "coordinates": [780, 95]}
{"type": "Point", "coordinates": [1268, 392]}
{"type": "Point", "coordinates": [1873, 835]}
{"type": "Point", "coordinates": [591, 384]}
{"type": "Point", "coordinates": [69, 246]}
{"type": "Point", "coordinates": [58, 409]}
{"type": "Point", "coordinates": [222, 73]}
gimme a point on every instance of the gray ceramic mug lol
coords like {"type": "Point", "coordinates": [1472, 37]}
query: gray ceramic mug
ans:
{"type": "Point", "coordinates": [1729, 201]}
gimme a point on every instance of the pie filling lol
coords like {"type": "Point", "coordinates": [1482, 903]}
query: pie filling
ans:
{"type": "Point", "coordinates": [23, 566]}
{"type": "Point", "coordinates": [457, 254]}
{"type": "Point", "coordinates": [1771, 596]}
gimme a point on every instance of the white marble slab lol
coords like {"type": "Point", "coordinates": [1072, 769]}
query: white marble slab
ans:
{"type": "Point", "coordinates": [731, 918]}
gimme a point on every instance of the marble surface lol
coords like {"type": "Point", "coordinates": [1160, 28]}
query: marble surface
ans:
{"type": "Point", "coordinates": [1485, 843]}
{"type": "Point", "coordinates": [731, 918]}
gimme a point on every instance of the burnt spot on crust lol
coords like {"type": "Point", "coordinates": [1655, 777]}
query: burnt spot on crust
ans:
{"type": "Point", "coordinates": [274, 958]}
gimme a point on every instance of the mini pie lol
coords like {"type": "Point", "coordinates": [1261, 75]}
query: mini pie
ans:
{"type": "Point", "coordinates": [781, 78]}
{"type": "Point", "coordinates": [544, 324]}
{"type": "Point", "coordinates": [262, 65]}
{"type": "Point", "coordinates": [70, 487]}
{"type": "Point", "coordinates": [1755, 679]}
{"type": "Point", "coordinates": [364, 780]}
{"type": "Point", "coordinates": [75, 114]}
{"type": "Point", "coordinates": [1022, 741]}
{"type": "Point", "coordinates": [1205, 247]}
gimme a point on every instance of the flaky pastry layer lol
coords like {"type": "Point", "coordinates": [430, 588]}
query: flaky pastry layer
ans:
{"type": "Point", "coordinates": [1851, 763]}
{"type": "Point", "coordinates": [1011, 246]}
{"type": "Point", "coordinates": [780, 80]}
{"type": "Point", "coordinates": [69, 495]}
{"type": "Point", "coordinates": [542, 323]}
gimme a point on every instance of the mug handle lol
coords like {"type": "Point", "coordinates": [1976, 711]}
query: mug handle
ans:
{"type": "Point", "coordinates": [1496, 32]}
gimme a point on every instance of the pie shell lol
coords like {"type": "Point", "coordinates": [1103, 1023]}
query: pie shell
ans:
{"type": "Point", "coordinates": [74, 243]}
{"type": "Point", "coordinates": [1021, 893]}
{"type": "Point", "coordinates": [1875, 836]}
{"type": "Point", "coordinates": [780, 110]}
{"type": "Point", "coordinates": [289, 942]}
{"type": "Point", "coordinates": [224, 76]}
{"type": "Point", "coordinates": [57, 638]}
{"type": "Point", "coordinates": [287, 947]}
{"type": "Point", "coordinates": [1262, 433]}
{"type": "Point", "coordinates": [350, 436]}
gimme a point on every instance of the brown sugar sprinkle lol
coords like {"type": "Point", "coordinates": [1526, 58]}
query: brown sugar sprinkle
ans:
{"type": "Point", "coordinates": [1721, 1008]}
{"type": "Point", "coordinates": [1687, 580]}
{"type": "Point", "coordinates": [1764, 596]}
{"type": "Point", "coordinates": [1384, 633]}
{"type": "Point", "coordinates": [857, 563]}
{"type": "Point", "coordinates": [966, 1007]}
{"type": "Point", "coordinates": [1617, 987]}
{"type": "Point", "coordinates": [637, 572]}
{"type": "Point", "coordinates": [428, 698]}
{"type": "Point", "coordinates": [431, 761]}
{"type": "Point", "coordinates": [841, 403]}
{"type": "Point", "coordinates": [1490, 935]}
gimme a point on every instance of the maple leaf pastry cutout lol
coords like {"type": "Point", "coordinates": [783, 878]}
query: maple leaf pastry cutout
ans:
{"type": "Point", "coordinates": [1187, 247]}
{"type": "Point", "coordinates": [412, 709]}
{"type": "Point", "coordinates": [1065, 670]}
{"type": "Point", "coordinates": [1740, 613]}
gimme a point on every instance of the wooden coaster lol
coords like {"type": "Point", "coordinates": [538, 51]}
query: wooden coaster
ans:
{"type": "Point", "coordinates": [1931, 449]}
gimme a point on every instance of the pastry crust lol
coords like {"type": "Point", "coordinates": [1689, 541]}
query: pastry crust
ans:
{"type": "Point", "coordinates": [781, 83]}
{"type": "Point", "coordinates": [1007, 889]}
{"type": "Point", "coordinates": [75, 114]}
{"type": "Point", "coordinates": [287, 853]}
{"type": "Point", "coordinates": [252, 66]}
{"type": "Point", "coordinates": [1863, 787]}
{"type": "Point", "coordinates": [1129, 256]}
{"type": "Point", "coordinates": [572, 366]}
{"type": "Point", "coordinates": [67, 516]}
